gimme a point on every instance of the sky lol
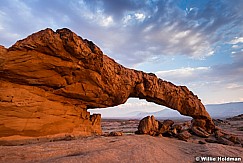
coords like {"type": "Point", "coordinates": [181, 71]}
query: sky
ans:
{"type": "Point", "coordinates": [197, 43]}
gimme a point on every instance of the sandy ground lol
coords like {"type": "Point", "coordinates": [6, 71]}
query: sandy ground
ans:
{"type": "Point", "coordinates": [128, 148]}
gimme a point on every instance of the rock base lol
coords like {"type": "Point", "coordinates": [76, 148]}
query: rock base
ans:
{"type": "Point", "coordinates": [150, 126]}
{"type": "Point", "coordinates": [33, 114]}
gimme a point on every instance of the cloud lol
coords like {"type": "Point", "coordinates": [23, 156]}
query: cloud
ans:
{"type": "Point", "coordinates": [174, 41]}
{"type": "Point", "coordinates": [235, 46]}
{"type": "Point", "coordinates": [235, 86]}
{"type": "Point", "coordinates": [134, 32]}
{"type": "Point", "coordinates": [228, 73]}
{"type": "Point", "coordinates": [236, 40]}
{"type": "Point", "coordinates": [215, 84]}
{"type": "Point", "coordinates": [128, 30]}
{"type": "Point", "coordinates": [183, 75]}
{"type": "Point", "coordinates": [28, 17]}
{"type": "Point", "coordinates": [168, 30]}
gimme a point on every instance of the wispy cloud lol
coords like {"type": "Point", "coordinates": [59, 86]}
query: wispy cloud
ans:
{"type": "Point", "coordinates": [183, 75]}
{"type": "Point", "coordinates": [142, 28]}
{"type": "Point", "coordinates": [212, 83]}
{"type": "Point", "coordinates": [236, 40]}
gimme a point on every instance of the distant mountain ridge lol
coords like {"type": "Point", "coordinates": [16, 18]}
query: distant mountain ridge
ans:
{"type": "Point", "coordinates": [225, 110]}
{"type": "Point", "coordinates": [215, 111]}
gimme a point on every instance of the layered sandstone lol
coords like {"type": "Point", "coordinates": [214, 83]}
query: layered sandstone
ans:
{"type": "Point", "coordinates": [50, 79]}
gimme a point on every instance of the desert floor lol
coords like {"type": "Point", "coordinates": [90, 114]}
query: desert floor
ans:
{"type": "Point", "coordinates": [126, 148]}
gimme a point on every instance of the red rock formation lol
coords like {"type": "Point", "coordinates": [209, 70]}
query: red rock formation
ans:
{"type": "Point", "coordinates": [50, 79]}
{"type": "Point", "coordinates": [148, 125]}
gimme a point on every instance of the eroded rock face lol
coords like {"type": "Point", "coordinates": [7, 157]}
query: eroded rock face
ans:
{"type": "Point", "coordinates": [50, 79]}
{"type": "Point", "coordinates": [148, 125]}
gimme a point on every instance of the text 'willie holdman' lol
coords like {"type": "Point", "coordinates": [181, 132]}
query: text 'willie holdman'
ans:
{"type": "Point", "coordinates": [218, 159]}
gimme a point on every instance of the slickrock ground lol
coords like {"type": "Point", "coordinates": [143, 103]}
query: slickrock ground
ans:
{"type": "Point", "coordinates": [50, 79]}
{"type": "Point", "coordinates": [129, 148]}
{"type": "Point", "coordinates": [126, 148]}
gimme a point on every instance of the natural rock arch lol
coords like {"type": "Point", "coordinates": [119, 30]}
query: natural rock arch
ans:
{"type": "Point", "coordinates": [49, 79]}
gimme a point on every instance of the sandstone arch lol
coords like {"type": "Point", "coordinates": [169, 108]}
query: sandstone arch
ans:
{"type": "Point", "coordinates": [49, 79]}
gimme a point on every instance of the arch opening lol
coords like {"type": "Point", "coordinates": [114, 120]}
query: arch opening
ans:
{"type": "Point", "coordinates": [135, 108]}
